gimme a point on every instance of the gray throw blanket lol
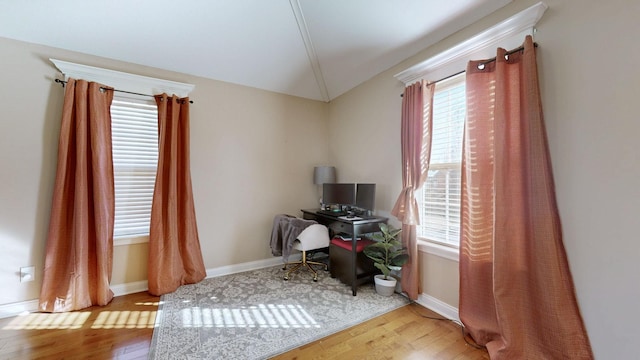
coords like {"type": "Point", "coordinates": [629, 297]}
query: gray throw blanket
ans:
{"type": "Point", "coordinates": [286, 229]}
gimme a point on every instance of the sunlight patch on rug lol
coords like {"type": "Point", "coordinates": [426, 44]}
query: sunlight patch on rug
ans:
{"type": "Point", "coordinates": [265, 316]}
{"type": "Point", "coordinates": [256, 314]}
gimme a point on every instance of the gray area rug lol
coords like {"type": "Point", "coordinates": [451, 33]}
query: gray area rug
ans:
{"type": "Point", "coordinates": [256, 314]}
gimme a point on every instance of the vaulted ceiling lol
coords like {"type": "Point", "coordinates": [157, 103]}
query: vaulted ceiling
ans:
{"type": "Point", "coordinates": [316, 49]}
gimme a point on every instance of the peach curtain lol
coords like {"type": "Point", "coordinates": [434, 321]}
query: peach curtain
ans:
{"type": "Point", "coordinates": [416, 151]}
{"type": "Point", "coordinates": [79, 250]}
{"type": "Point", "coordinates": [175, 257]}
{"type": "Point", "coordinates": [516, 292]}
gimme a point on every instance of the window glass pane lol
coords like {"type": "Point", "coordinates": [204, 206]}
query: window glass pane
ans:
{"type": "Point", "coordinates": [134, 127]}
{"type": "Point", "coordinates": [440, 196]}
{"type": "Point", "coordinates": [441, 206]}
{"type": "Point", "coordinates": [448, 123]}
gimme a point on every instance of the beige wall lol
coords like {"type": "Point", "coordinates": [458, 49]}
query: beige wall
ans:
{"type": "Point", "coordinates": [364, 128]}
{"type": "Point", "coordinates": [130, 264]}
{"type": "Point", "coordinates": [588, 65]}
{"type": "Point", "coordinates": [440, 278]}
{"type": "Point", "coordinates": [252, 152]}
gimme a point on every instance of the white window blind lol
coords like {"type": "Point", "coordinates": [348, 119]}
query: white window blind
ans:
{"type": "Point", "coordinates": [134, 132]}
{"type": "Point", "coordinates": [440, 195]}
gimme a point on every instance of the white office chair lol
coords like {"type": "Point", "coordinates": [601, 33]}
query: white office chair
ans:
{"type": "Point", "coordinates": [313, 237]}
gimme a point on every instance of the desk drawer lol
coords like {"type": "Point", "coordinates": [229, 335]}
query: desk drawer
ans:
{"type": "Point", "coordinates": [368, 228]}
{"type": "Point", "coordinates": [340, 227]}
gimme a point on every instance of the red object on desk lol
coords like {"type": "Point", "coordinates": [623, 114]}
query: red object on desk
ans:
{"type": "Point", "coordinates": [346, 244]}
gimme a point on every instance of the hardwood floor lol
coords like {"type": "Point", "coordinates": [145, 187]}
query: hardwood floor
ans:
{"type": "Point", "coordinates": [120, 330]}
{"type": "Point", "coordinates": [401, 334]}
{"type": "Point", "coordinates": [123, 330]}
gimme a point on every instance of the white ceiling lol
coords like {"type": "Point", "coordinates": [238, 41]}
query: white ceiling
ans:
{"type": "Point", "coordinates": [316, 49]}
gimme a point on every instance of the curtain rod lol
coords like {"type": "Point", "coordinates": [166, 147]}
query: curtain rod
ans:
{"type": "Point", "coordinates": [481, 64]}
{"type": "Point", "coordinates": [63, 83]}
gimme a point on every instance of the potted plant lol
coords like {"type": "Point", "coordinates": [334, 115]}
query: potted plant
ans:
{"type": "Point", "coordinates": [387, 254]}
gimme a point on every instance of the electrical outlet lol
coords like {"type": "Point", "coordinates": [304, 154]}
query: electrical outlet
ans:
{"type": "Point", "coordinates": [27, 273]}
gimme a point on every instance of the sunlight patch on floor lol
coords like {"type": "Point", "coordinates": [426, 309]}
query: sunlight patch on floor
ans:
{"type": "Point", "coordinates": [77, 319]}
{"type": "Point", "coordinates": [46, 321]}
{"type": "Point", "coordinates": [149, 303]}
{"type": "Point", "coordinates": [263, 315]}
{"type": "Point", "coordinates": [125, 320]}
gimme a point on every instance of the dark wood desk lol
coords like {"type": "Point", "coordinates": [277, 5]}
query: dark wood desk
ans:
{"type": "Point", "coordinates": [354, 228]}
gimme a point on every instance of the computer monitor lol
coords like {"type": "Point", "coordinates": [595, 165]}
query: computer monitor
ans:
{"type": "Point", "coordinates": [366, 196]}
{"type": "Point", "coordinates": [338, 194]}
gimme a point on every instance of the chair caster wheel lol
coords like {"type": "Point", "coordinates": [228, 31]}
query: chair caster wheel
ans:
{"type": "Point", "coordinates": [315, 279]}
{"type": "Point", "coordinates": [286, 278]}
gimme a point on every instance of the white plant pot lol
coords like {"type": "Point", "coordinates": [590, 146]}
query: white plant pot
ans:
{"type": "Point", "coordinates": [385, 287]}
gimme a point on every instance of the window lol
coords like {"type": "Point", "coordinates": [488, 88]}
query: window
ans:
{"type": "Point", "coordinates": [440, 218]}
{"type": "Point", "coordinates": [135, 145]}
{"type": "Point", "coordinates": [439, 198]}
{"type": "Point", "coordinates": [134, 133]}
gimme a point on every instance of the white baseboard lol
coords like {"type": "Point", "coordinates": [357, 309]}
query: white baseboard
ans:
{"type": "Point", "coordinates": [13, 309]}
{"type": "Point", "coordinates": [129, 288]}
{"type": "Point", "coordinates": [438, 306]}
{"type": "Point", "coordinates": [248, 266]}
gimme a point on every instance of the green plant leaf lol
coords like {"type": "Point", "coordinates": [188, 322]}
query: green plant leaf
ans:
{"type": "Point", "coordinates": [394, 233]}
{"type": "Point", "coordinates": [399, 260]}
{"type": "Point", "coordinates": [387, 249]}
{"type": "Point", "coordinates": [385, 270]}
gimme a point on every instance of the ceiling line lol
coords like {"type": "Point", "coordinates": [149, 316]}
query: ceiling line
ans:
{"type": "Point", "coordinates": [311, 52]}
